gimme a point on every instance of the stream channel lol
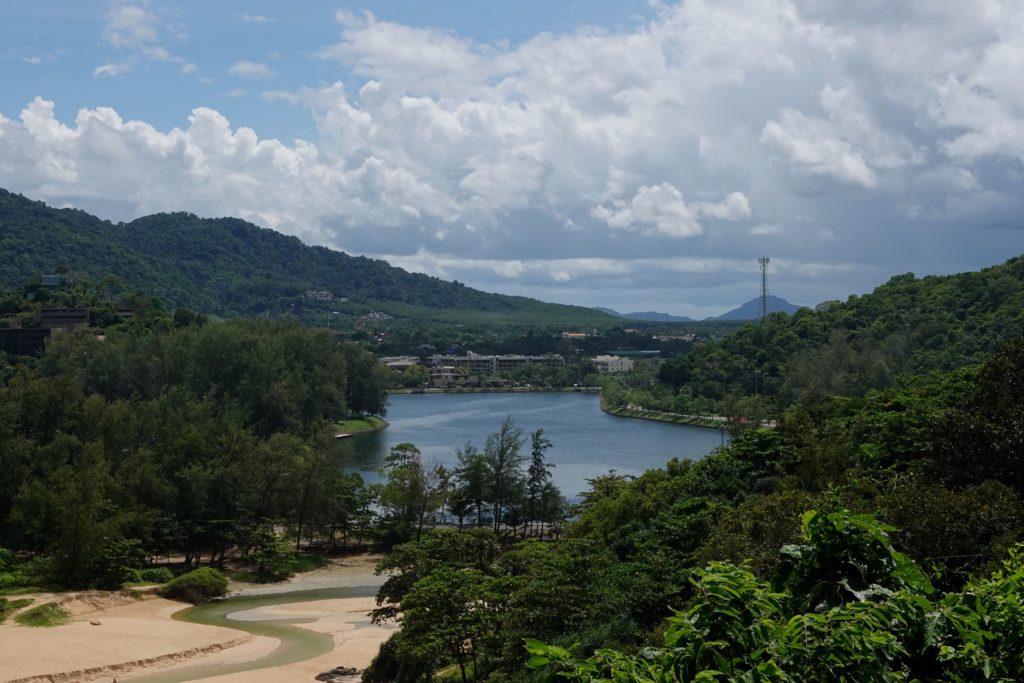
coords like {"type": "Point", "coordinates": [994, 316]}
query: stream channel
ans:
{"type": "Point", "coordinates": [297, 644]}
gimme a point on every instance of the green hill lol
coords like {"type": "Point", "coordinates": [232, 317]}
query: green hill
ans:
{"type": "Point", "coordinates": [227, 266]}
{"type": "Point", "coordinates": [907, 326]}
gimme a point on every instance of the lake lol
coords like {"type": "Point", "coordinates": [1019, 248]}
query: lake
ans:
{"type": "Point", "coordinates": [586, 442]}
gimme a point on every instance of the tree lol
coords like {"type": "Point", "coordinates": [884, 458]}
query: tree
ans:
{"type": "Point", "coordinates": [404, 493]}
{"type": "Point", "coordinates": [472, 482]}
{"type": "Point", "coordinates": [537, 477]}
{"type": "Point", "coordinates": [447, 616]}
{"type": "Point", "coordinates": [503, 452]}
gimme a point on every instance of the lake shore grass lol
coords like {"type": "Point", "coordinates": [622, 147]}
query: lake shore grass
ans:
{"type": "Point", "coordinates": [370, 423]}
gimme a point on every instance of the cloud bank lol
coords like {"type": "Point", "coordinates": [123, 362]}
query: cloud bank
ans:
{"type": "Point", "coordinates": [846, 140]}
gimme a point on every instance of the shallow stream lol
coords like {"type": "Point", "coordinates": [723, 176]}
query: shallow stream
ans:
{"type": "Point", "coordinates": [297, 644]}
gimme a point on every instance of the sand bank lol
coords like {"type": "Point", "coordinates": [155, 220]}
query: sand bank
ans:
{"type": "Point", "coordinates": [137, 637]}
{"type": "Point", "coordinates": [105, 641]}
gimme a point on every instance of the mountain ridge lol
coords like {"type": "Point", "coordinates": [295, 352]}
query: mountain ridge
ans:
{"type": "Point", "coordinates": [750, 310]}
{"type": "Point", "coordinates": [228, 266]}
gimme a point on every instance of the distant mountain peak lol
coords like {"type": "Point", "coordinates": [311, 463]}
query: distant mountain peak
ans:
{"type": "Point", "coordinates": [646, 316]}
{"type": "Point", "coordinates": [752, 309]}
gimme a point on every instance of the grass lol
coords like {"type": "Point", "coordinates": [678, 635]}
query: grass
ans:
{"type": "Point", "coordinates": [44, 616]}
{"type": "Point", "coordinates": [22, 590]}
{"type": "Point", "coordinates": [307, 563]}
{"type": "Point", "coordinates": [362, 424]}
{"type": "Point", "coordinates": [8, 607]}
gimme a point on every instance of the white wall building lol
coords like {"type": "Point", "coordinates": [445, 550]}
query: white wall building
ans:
{"type": "Point", "coordinates": [611, 365]}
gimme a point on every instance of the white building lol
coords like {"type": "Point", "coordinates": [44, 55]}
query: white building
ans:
{"type": "Point", "coordinates": [611, 365]}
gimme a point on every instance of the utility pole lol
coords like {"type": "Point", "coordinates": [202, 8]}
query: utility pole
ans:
{"type": "Point", "coordinates": [764, 286]}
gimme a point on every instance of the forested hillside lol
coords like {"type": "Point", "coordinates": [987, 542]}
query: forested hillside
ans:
{"type": "Point", "coordinates": [905, 327]}
{"type": "Point", "coordinates": [228, 266]}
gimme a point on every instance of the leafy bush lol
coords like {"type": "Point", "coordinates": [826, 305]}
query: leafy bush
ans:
{"type": "Point", "coordinates": [153, 575]}
{"type": "Point", "coordinates": [25, 576]}
{"type": "Point", "coordinates": [196, 586]}
{"type": "Point", "coordinates": [44, 616]}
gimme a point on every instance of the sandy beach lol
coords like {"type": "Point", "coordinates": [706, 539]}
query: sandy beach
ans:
{"type": "Point", "coordinates": [118, 636]}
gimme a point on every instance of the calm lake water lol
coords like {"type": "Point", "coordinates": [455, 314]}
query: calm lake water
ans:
{"type": "Point", "coordinates": [587, 442]}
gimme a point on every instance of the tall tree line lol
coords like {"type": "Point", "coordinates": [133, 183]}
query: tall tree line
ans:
{"type": "Point", "coordinates": [488, 488]}
{"type": "Point", "coordinates": [191, 438]}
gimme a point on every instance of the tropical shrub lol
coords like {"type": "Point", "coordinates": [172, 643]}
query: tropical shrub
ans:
{"type": "Point", "coordinates": [196, 586]}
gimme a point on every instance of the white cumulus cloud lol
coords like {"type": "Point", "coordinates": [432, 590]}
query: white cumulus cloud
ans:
{"type": "Point", "coordinates": [110, 70]}
{"type": "Point", "coordinates": [129, 26]}
{"type": "Point", "coordinates": [246, 69]}
{"type": "Point", "coordinates": [705, 120]}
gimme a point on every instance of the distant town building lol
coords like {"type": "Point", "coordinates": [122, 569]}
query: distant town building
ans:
{"type": "Point", "coordinates": [611, 365]}
{"type": "Point", "coordinates": [319, 295]}
{"type": "Point", "coordinates": [574, 335]}
{"type": "Point", "coordinates": [63, 318]}
{"type": "Point", "coordinates": [442, 376]}
{"type": "Point", "coordinates": [478, 364]}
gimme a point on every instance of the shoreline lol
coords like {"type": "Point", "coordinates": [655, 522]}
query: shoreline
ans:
{"type": "Point", "coordinates": [370, 423]}
{"type": "Point", "coordinates": [497, 390]}
{"type": "Point", "coordinates": [705, 421]}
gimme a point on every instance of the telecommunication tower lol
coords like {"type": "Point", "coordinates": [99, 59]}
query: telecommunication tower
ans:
{"type": "Point", "coordinates": [764, 286]}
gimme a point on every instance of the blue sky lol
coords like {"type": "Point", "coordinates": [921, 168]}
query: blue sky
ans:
{"type": "Point", "coordinates": [53, 47]}
{"type": "Point", "coordinates": [638, 155]}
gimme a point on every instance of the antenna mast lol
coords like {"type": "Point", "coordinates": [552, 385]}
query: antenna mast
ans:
{"type": "Point", "coordinates": [764, 286]}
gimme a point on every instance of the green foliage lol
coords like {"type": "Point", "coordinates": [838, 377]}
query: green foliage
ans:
{"type": "Point", "coordinates": [196, 586]}
{"type": "Point", "coordinates": [184, 439]}
{"type": "Point", "coordinates": [8, 607]}
{"type": "Point", "coordinates": [843, 558]}
{"type": "Point", "coordinates": [44, 616]}
{"type": "Point", "coordinates": [152, 575]}
{"type": "Point", "coordinates": [120, 563]}
{"type": "Point", "coordinates": [737, 628]}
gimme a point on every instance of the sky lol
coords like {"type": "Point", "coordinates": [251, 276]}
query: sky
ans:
{"type": "Point", "coordinates": [635, 155]}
